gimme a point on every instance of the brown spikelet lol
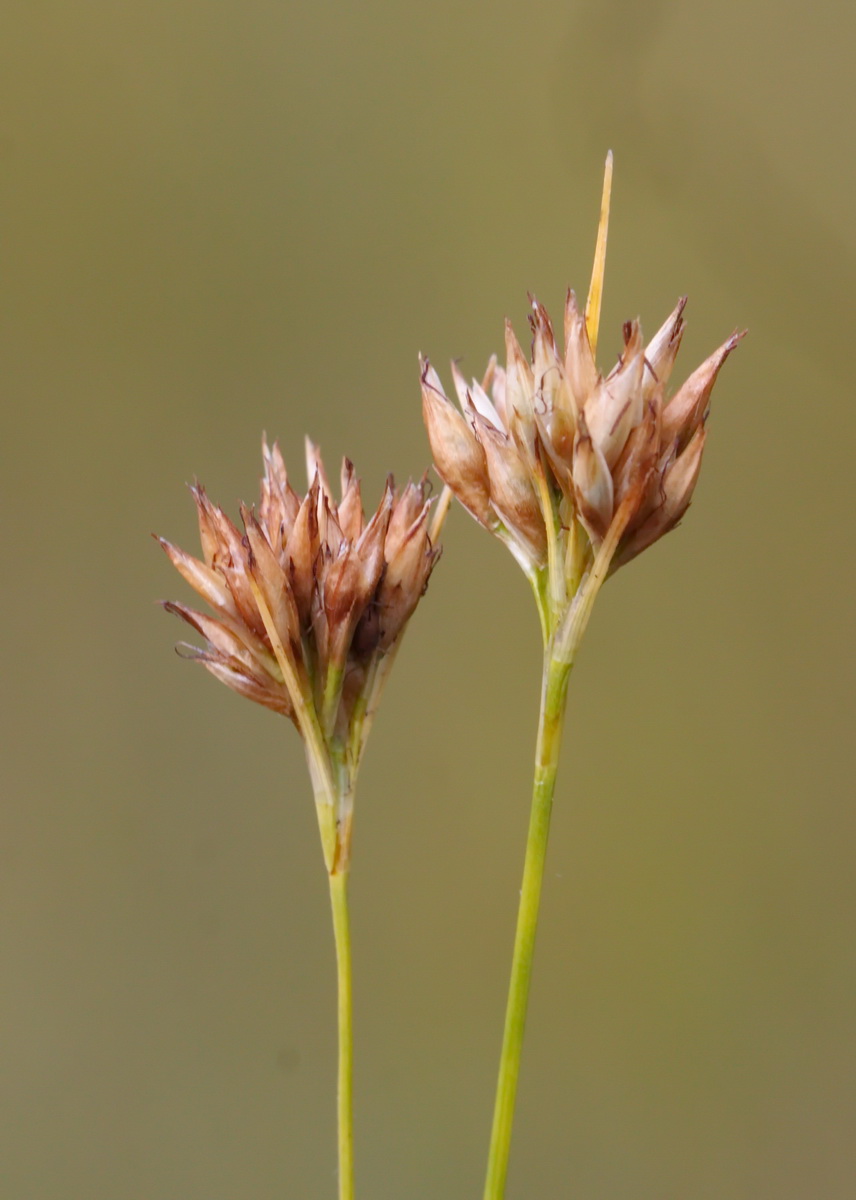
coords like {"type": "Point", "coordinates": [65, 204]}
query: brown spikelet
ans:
{"type": "Point", "coordinates": [310, 594]}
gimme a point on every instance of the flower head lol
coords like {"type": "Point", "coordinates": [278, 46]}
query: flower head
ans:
{"type": "Point", "coordinates": [309, 604]}
{"type": "Point", "coordinates": [577, 471]}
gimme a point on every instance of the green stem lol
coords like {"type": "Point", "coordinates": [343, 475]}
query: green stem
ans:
{"type": "Point", "coordinates": [553, 696]}
{"type": "Point", "coordinates": [342, 934]}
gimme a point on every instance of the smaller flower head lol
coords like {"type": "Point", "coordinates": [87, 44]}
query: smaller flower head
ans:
{"type": "Point", "coordinates": [309, 604]}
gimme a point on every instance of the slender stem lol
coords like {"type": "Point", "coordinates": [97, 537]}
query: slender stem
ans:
{"type": "Point", "coordinates": [342, 933]}
{"type": "Point", "coordinates": [553, 696]}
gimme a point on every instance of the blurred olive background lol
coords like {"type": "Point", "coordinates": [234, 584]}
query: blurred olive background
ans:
{"type": "Point", "coordinates": [222, 218]}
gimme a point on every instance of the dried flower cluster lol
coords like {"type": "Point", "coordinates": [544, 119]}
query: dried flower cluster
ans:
{"type": "Point", "coordinates": [600, 444]}
{"type": "Point", "coordinates": [310, 602]}
{"type": "Point", "coordinates": [570, 467]}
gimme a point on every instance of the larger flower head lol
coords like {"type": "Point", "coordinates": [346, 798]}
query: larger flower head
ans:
{"type": "Point", "coordinates": [309, 604]}
{"type": "Point", "coordinates": [576, 470]}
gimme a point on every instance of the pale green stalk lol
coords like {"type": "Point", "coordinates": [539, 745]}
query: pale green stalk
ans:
{"type": "Point", "coordinates": [563, 633]}
{"type": "Point", "coordinates": [333, 786]}
{"type": "Point", "coordinates": [553, 696]}
{"type": "Point", "coordinates": [334, 806]}
{"type": "Point", "coordinates": [345, 1101]}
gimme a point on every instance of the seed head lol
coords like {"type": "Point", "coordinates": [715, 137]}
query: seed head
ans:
{"type": "Point", "coordinates": [569, 465]}
{"type": "Point", "coordinates": [309, 604]}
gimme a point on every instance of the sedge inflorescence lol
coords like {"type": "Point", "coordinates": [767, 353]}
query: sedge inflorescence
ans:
{"type": "Point", "coordinates": [310, 602]}
{"type": "Point", "coordinates": [570, 467]}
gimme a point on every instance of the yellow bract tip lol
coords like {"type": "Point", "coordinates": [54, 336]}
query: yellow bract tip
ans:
{"type": "Point", "coordinates": [595, 295]}
{"type": "Point", "coordinates": [440, 513]}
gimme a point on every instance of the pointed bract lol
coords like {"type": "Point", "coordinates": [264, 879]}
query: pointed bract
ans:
{"type": "Point", "coordinates": [675, 493]}
{"type": "Point", "coordinates": [410, 561]}
{"type": "Point", "coordinates": [302, 552]}
{"type": "Point", "coordinates": [688, 407]}
{"type": "Point", "coordinates": [351, 505]}
{"type": "Point", "coordinates": [458, 455]}
{"type": "Point", "coordinates": [203, 579]}
{"type": "Point", "coordinates": [264, 569]}
{"type": "Point", "coordinates": [230, 673]}
{"type": "Point", "coordinates": [593, 486]}
{"type": "Point", "coordinates": [662, 350]}
{"type": "Point", "coordinates": [512, 493]}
